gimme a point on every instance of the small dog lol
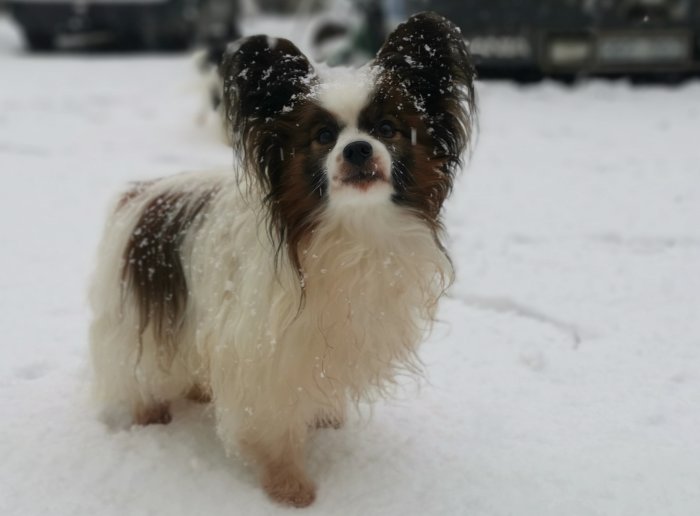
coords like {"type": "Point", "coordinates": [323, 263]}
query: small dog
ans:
{"type": "Point", "coordinates": [305, 281]}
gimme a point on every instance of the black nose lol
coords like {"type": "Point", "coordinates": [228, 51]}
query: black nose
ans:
{"type": "Point", "coordinates": [358, 152]}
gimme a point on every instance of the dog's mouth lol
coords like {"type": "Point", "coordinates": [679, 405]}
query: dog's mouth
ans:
{"type": "Point", "coordinates": [363, 177]}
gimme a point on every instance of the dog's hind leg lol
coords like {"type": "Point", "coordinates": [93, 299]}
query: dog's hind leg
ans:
{"type": "Point", "coordinates": [135, 296]}
{"type": "Point", "coordinates": [116, 388]}
{"type": "Point", "coordinates": [152, 414]}
{"type": "Point", "coordinates": [131, 385]}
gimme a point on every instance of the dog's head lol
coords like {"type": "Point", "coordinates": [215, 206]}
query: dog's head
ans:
{"type": "Point", "coordinates": [344, 141]}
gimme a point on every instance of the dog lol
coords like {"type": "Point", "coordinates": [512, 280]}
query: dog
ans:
{"type": "Point", "coordinates": [303, 281]}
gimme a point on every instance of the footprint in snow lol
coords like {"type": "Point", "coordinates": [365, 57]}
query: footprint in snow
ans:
{"type": "Point", "coordinates": [33, 370]}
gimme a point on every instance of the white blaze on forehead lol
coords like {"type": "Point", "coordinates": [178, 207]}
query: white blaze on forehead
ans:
{"type": "Point", "coordinates": [345, 92]}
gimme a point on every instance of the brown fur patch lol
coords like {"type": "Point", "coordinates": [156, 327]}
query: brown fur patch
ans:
{"type": "Point", "coordinates": [432, 100]}
{"type": "Point", "coordinates": [153, 268]}
{"type": "Point", "coordinates": [266, 95]}
{"type": "Point", "coordinates": [421, 176]}
{"type": "Point", "coordinates": [298, 182]}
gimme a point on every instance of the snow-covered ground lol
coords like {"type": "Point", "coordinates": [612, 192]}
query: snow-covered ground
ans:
{"type": "Point", "coordinates": [564, 379]}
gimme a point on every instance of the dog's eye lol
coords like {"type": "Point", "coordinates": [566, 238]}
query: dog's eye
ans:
{"type": "Point", "coordinates": [325, 136]}
{"type": "Point", "coordinates": [386, 129]}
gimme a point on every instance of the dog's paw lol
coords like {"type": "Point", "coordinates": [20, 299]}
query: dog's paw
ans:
{"type": "Point", "coordinates": [329, 421]}
{"type": "Point", "coordinates": [289, 489]}
{"type": "Point", "coordinates": [199, 394]}
{"type": "Point", "coordinates": [156, 414]}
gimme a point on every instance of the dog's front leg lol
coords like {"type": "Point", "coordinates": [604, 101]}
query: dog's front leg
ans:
{"type": "Point", "coordinates": [281, 462]}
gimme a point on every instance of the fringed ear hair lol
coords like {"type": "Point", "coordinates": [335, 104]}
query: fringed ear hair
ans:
{"type": "Point", "coordinates": [268, 86]}
{"type": "Point", "coordinates": [426, 61]}
{"type": "Point", "coordinates": [264, 78]}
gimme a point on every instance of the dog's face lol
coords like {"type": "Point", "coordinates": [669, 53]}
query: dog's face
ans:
{"type": "Point", "coordinates": [392, 132]}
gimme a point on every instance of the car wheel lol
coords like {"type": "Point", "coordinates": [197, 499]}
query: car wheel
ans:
{"type": "Point", "coordinates": [39, 41]}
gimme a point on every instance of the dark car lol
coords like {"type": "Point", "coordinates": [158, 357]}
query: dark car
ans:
{"type": "Point", "coordinates": [577, 36]}
{"type": "Point", "coordinates": [138, 24]}
{"type": "Point", "coordinates": [523, 38]}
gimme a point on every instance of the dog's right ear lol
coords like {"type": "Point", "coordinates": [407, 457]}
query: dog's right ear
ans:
{"type": "Point", "coordinates": [263, 78]}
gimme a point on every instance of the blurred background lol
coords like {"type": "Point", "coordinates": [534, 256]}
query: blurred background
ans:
{"type": "Point", "coordinates": [522, 39]}
{"type": "Point", "coordinates": [564, 374]}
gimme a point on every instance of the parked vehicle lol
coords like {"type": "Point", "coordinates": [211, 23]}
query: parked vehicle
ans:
{"type": "Point", "coordinates": [578, 36]}
{"type": "Point", "coordinates": [565, 37]}
{"type": "Point", "coordinates": [137, 24]}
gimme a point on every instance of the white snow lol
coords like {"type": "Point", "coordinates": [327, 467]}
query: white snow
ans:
{"type": "Point", "coordinates": [563, 380]}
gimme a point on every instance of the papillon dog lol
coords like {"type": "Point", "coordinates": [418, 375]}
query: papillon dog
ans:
{"type": "Point", "coordinates": [302, 281]}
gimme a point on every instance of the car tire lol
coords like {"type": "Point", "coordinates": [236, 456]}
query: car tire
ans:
{"type": "Point", "coordinates": [39, 41]}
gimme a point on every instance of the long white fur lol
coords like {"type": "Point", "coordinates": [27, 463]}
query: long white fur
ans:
{"type": "Point", "coordinates": [373, 275]}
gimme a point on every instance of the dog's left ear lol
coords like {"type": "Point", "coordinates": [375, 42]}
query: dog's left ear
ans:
{"type": "Point", "coordinates": [426, 59]}
{"type": "Point", "coordinates": [263, 77]}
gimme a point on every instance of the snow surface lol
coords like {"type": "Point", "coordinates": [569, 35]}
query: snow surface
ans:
{"type": "Point", "coordinates": [563, 380]}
